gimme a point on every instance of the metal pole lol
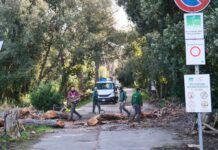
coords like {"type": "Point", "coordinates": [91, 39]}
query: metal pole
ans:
{"type": "Point", "coordinates": [200, 133]}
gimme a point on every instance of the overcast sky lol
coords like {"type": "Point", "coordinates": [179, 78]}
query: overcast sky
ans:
{"type": "Point", "coordinates": [121, 18]}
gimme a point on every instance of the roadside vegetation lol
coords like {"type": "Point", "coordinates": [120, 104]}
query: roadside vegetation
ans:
{"type": "Point", "coordinates": [30, 133]}
{"type": "Point", "coordinates": [51, 45]}
{"type": "Point", "coordinates": [158, 53]}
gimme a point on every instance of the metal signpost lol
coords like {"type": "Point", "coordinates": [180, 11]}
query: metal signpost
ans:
{"type": "Point", "coordinates": [197, 87]}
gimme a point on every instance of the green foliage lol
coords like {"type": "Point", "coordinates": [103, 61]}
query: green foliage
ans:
{"type": "Point", "coordinates": [163, 53]}
{"type": "Point", "coordinates": [45, 96]}
{"type": "Point", "coordinates": [145, 96]}
{"type": "Point", "coordinates": [53, 40]}
{"type": "Point", "coordinates": [125, 75]}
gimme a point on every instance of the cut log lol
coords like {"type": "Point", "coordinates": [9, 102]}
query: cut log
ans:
{"type": "Point", "coordinates": [55, 115]}
{"type": "Point", "coordinates": [104, 117]}
{"type": "Point", "coordinates": [50, 115]}
{"type": "Point", "coordinates": [23, 113]}
{"type": "Point", "coordinates": [149, 114]}
{"type": "Point", "coordinates": [50, 123]}
{"type": "Point", "coordinates": [112, 117]}
{"type": "Point", "coordinates": [2, 122]}
{"type": "Point", "coordinates": [93, 121]}
{"type": "Point", "coordinates": [36, 116]}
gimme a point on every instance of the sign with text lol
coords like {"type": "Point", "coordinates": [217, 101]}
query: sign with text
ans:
{"type": "Point", "coordinates": [197, 93]}
{"type": "Point", "coordinates": [195, 52]}
{"type": "Point", "coordinates": [194, 26]}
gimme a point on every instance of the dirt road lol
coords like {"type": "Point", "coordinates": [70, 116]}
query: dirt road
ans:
{"type": "Point", "coordinates": [108, 136]}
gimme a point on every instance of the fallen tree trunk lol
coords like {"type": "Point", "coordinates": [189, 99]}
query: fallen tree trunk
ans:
{"type": "Point", "coordinates": [104, 117]}
{"type": "Point", "coordinates": [55, 115]}
{"type": "Point", "coordinates": [112, 117]}
{"type": "Point", "coordinates": [24, 112]}
{"type": "Point", "coordinates": [149, 114]}
{"type": "Point", "coordinates": [50, 123]}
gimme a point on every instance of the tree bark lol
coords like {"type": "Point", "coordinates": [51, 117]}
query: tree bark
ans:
{"type": "Point", "coordinates": [104, 117]}
{"type": "Point", "coordinates": [11, 124]}
{"type": "Point", "coordinates": [44, 61]}
{"type": "Point", "coordinates": [55, 115]}
{"type": "Point", "coordinates": [96, 71]}
{"type": "Point", "coordinates": [50, 123]}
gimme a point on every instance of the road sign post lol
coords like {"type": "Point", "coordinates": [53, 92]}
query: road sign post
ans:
{"type": "Point", "coordinates": [200, 132]}
{"type": "Point", "coordinates": [195, 55]}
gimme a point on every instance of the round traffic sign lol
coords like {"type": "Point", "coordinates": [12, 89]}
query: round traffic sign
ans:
{"type": "Point", "coordinates": [192, 5]}
{"type": "Point", "coordinates": [195, 51]}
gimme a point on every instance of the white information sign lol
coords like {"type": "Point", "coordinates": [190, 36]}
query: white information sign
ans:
{"type": "Point", "coordinates": [1, 43]}
{"type": "Point", "coordinates": [195, 52]}
{"type": "Point", "coordinates": [194, 26]}
{"type": "Point", "coordinates": [197, 93]}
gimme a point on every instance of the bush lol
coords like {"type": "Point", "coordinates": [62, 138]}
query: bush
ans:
{"type": "Point", "coordinates": [44, 97]}
{"type": "Point", "coordinates": [145, 96]}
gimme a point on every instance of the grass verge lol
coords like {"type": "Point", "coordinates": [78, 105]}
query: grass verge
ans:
{"type": "Point", "coordinates": [31, 133]}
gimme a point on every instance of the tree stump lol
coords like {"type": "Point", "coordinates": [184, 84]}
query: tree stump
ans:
{"type": "Point", "coordinates": [11, 124]}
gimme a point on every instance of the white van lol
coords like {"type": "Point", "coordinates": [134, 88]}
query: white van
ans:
{"type": "Point", "coordinates": [107, 91]}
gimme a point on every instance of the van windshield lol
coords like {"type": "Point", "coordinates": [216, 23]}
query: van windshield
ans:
{"type": "Point", "coordinates": [101, 86]}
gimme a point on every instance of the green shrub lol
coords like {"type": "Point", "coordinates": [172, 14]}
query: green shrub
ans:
{"type": "Point", "coordinates": [145, 96]}
{"type": "Point", "coordinates": [45, 96]}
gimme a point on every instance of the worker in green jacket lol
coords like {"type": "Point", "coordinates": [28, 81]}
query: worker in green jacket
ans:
{"type": "Point", "coordinates": [95, 101]}
{"type": "Point", "coordinates": [122, 101]}
{"type": "Point", "coordinates": [137, 104]}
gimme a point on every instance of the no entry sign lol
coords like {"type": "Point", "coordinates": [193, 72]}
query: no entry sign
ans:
{"type": "Point", "coordinates": [192, 5]}
{"type": "Point", "coordinates": [195, 52]}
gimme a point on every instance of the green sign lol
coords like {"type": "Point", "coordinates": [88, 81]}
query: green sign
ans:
{"type": "Point", "coordinates": [194, 20]}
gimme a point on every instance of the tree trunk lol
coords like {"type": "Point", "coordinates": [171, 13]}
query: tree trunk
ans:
{"type": "Point", "coordinates": [96, 71]}
{"type": "Point", "coordinates": [50, 123]}
{"type": "Point", "coordinates": [11, 124]}
{"type": "Point", "coordinates": [44, 62]}
{"type": "Point", "coordinates": [104, 117]}
{"type": "Point", "coordinates": [81, 81]}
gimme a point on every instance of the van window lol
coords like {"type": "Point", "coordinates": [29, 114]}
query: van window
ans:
{"type": "Point", "coordinates": [101, 86]}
